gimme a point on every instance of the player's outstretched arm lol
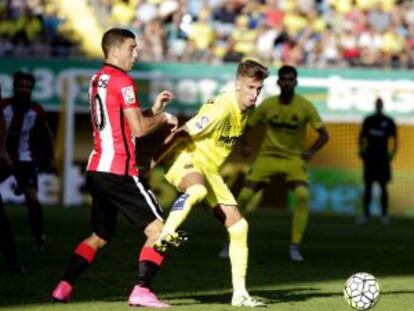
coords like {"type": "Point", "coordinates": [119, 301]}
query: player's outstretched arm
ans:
{"type": "Point", "coordinates": [143, 124]}
{"type": "Point", "coordinates": [173, 141]}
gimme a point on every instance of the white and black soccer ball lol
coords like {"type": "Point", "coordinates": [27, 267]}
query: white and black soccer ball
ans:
{"type": "Point", "coordinates": [361, 291]}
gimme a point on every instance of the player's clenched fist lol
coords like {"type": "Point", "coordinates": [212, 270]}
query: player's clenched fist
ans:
{"type": "Point", "coordinates": [161, 101]}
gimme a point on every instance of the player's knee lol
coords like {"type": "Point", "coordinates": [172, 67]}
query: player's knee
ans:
{"type": "Point", "coordinates": [97, 241]}
{"type": "Point", "coordinates": [301, 194]}
{"type": "Point", "coordinates": [197, 192]}
{"type": "Point", "coordinates": [240, 229]}
{"type": "Point", "coordinates": [154, 229]}
{"type": "Point", "coordinates": [193, 195]}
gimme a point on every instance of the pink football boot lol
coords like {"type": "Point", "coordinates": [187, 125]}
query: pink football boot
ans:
{"type": "Point", "coordinates": [62, 292]}
{"type": "Point", "coordinates": [143, 296]}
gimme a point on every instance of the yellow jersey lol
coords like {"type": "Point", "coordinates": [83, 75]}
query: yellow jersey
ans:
{"type": "Point", "coordinates": [285, 125]}
{"type": "Point", "coordinates": [215, 130]}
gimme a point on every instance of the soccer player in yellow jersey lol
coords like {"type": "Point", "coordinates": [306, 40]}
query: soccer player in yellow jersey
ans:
{"type": "Point", "coordinates": [193, 168]}
{"type": "Point", "coordinates": [285, 117]}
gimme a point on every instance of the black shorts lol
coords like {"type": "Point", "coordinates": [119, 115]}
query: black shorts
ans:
{"type": "Point", "coordinates": [25, 173]}
{"type": "Point", "coordinates": [127, 194]}
{"type": "Point", "coordinates": [377, 170]}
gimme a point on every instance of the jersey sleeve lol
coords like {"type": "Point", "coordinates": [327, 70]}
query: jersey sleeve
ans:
{"type": "Point", "coordinates": [128, 93]}
{"type": "Point", "coordinates": [314, 117]}
{"type": "Point", "coordinates": [210, 115]}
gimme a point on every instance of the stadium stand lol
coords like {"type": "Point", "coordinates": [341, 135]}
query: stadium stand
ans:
{"type": "Point", "coordinates": [324, 33]}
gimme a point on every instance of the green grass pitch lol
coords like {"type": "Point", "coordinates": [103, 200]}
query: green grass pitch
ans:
{"type": "Point", "coordinates": [194, 278]}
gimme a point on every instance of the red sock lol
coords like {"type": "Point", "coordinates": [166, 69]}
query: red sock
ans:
{"type": "Point", "coordinates": [86, 251]}
{"type": "Point", "coordinates": [150, 254]}
{"type": "Point", "coordinates": [149, 263]}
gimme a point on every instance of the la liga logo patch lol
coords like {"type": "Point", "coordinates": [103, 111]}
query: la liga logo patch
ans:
{"type": "Point", "coordinates": [128, 94]}
{"type": "Point", "coordinates": [202, 122]}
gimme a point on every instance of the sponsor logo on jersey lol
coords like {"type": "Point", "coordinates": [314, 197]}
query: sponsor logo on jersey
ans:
{"type": "Point", "coordinates": [284, 125]}
{"type": "Point", "coordinates": [128, 94]}
{"type": "Point", "coordinates": [228, 140]}
{"type": "Point", "coordinates": [202, 122]}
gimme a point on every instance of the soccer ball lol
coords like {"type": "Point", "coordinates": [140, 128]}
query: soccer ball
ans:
{"type": "Point", "coordinates": [361, 291]}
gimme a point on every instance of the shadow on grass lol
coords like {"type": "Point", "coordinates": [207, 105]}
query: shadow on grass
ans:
{"type": "Point", "coordinates": [334, 249]}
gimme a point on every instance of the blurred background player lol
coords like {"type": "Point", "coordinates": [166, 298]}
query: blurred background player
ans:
{"type": "Point", "coordinates": [282, 151]}
{"type": "Point", "coordinates": [7, 244]}
{"type": "Point", "coordinates": [29, 145]}
{"type": "Point", "coordinates": [112, 176]}
{"type": "Point", "coordinates": [377, 148]}
{"type": "Point", "coordinates": [208, 138]}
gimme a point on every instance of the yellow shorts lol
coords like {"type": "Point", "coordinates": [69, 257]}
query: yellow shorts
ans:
{"type": "Point", "coordinates": [217, 190]}
{"type": "Point", "coordinates": [264, 167]}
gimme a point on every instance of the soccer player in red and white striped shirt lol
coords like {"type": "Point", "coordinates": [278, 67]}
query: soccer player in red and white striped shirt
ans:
{"type": "Point", "coordinates": [28, 147]}
{"type": "Point", "coordinates": [112, 175]}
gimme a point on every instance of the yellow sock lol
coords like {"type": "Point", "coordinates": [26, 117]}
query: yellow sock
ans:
{"type": "Point", "coordinates": [182, 207]}
{"type": "Point", "coordinates": [238, 253]}
{"type": "Point", "coordinates": [300, 214]}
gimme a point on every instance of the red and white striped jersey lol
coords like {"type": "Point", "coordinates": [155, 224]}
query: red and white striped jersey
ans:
{"type": "Point", "coordinates": [21, 121]}
{"type": "Point", "coordinates": [111, 91]}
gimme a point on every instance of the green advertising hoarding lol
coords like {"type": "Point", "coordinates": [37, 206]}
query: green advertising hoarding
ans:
{"type": "Point", "coordinates": [341, 95]}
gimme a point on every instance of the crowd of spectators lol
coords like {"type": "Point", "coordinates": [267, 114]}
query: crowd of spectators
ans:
{"type": "Point", "coordinates": [324, 33]}
{"type": "Point", "coordinates": [33, 28]}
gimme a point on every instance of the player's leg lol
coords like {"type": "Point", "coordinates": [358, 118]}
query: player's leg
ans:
{"type": "Point", "coordinates": [366, 200]}
{"type": "Point", "coordinates": [297, 181]}
{"type": "Point", "coordinates": [7, 244]}
{"type": "Point", "coordinates": [141, 208]}
{"type": "Point", "coordinates": [252, 192]}
{"type": "Point", "coordinates": [300, 220]}
{"type": "Point", "coordinates": [384, 202]}
{"type": "Point", "coordinates": [384, 171]}
{"type": "Point", "coordinates": [371, 174]}
{"type": "Point", "coordinates": [237, 228]}
{"type": "Point", "coordinates": [226, 211]}
{"type": "Point", "coordinates": [250, 196]}
{"type": "Point", "coordinates": [103, 217]}
{"type": "Point", "coordinates": [82, 257]}
{"type": "Point", "coordinates": [249, 199]}
{"type": "Point", "coordinates": [149, 262]}
{"type": "Point", "coordinates": [188, 179]}
{"type": "Point", "coordinates": [36, 218]}
{"type": "Point", "coordinates": [26, 175]}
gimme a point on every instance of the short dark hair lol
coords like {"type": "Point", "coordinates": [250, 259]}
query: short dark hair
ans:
{"type": "Point", "coordinates": [115, 37]}
{"type": "Point", "coordinates": [252, 69]}
{"type": "Point", "coordinates": [287, 69]}
{"type": "Point", "coordinates": [23, 75]}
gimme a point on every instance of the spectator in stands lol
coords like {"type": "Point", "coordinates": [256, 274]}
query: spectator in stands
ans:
{"type": "Point", "coordinates": [334, 33]}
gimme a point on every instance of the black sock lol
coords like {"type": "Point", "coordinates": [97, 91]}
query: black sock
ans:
{"type": "Point", "coordinates": [147, 271]}
{"type": "Point", "coordinates": [77, 265]}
